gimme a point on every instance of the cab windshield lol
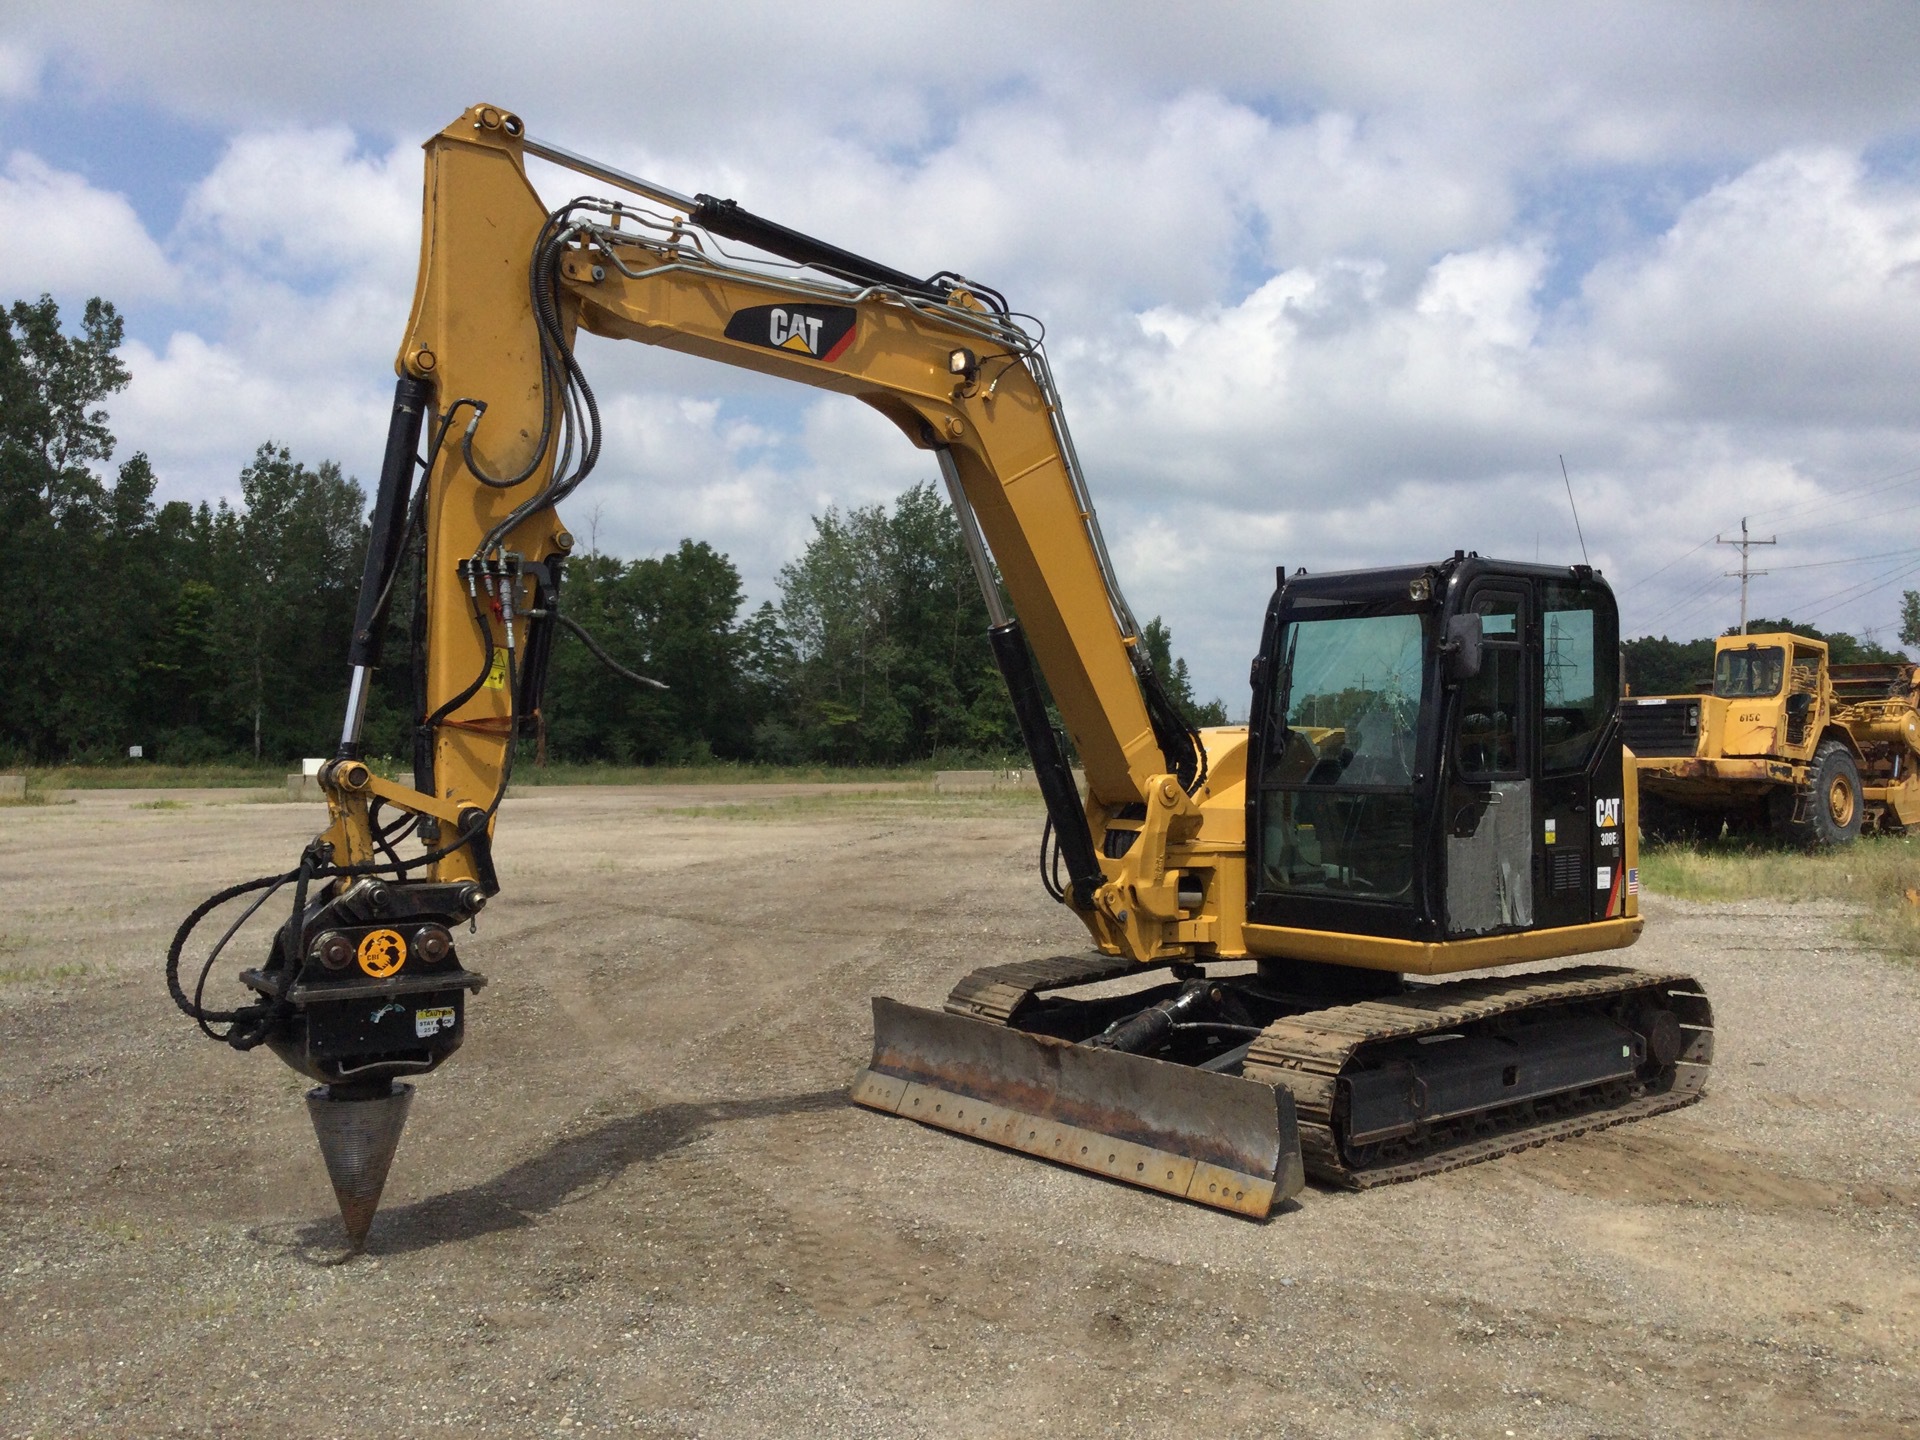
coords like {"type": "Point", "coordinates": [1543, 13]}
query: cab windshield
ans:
{"type": "Point", "coordinates": [1352, 700]}
{"type": "Point", "coordinates": [1750, 673]}
{"type": "Point", "coordinates": [1339, 781]}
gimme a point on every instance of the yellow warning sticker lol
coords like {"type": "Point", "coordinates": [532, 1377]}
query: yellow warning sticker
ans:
{"type": "Point", "coordinates": [497, 676]}
{"type": "Point", "coordinates": [382, 953]}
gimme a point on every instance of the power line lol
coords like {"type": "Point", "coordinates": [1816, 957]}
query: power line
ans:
{"type": "Point", "coordinates": [1845, 597]}
{"type": "Point", "coordinates": [1864, 490]}
{"type": "Point", "coordinates": [1694, 600]}
{"type": "Point", "coordinates": [1875, 486]}
{"type": "Point", "coordinates": [1856, 560]}
{"type": "Point", "coordinates": [1686, 603]}
{"type": "Point", "coordinates": [1663, 569]}
{"type": "Point", "coordinates": [1847, 521]}
{"type": "Point", "coordinates": [1686, 597]}
{"type": "Point", "coordinates": [1710, 600]}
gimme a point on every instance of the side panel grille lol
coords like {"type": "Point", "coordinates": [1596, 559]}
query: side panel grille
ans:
{"type": "Point", "coordinates": [1661, 727]}
{"type": "Point", "coordinates": [1567, 869]}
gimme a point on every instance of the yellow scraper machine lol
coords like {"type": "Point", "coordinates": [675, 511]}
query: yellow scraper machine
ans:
{"type": "Point", "coordinates": [1432, 781]}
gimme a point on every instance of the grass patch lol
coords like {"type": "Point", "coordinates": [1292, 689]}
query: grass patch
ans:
{"type": "Point", "coordinates": [161, 805]}
{"type": "Point", "coordinates": [918, 803]}
{"type": "Point", "coordinates": [722, 773]}
{"type": "Point", "coordinates": [272, 774]}
{"type": "Point", "coordinates": [1879, 873]}
{"type": "Point", "coordinates": [157, 777]}
{"type": "Point", "coordinates": [30, 974]}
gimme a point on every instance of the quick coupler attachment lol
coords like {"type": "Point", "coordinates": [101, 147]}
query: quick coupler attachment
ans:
{"type": "Point", "coordinates": [1212, 1138]}
{"type": "Point", "coordinates": [374, 992]}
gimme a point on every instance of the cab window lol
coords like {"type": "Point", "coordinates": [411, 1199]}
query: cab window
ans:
{"type": "Point", "coordinates": [1486, 741]}
{"type": "Point", "coordinates": [1576, 677]}
{"type": "Point", "coordinates": [1352, 698]}
{"type": "Point", "coordinates": [1806, 670]}
{"type": "Point", "coordinates": [1749, 674]}
{"type": "Point", "coordinates": [1338, 785]}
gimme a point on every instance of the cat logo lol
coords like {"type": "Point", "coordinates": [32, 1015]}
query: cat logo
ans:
{"type": "Point", "coordinates": [1606, 813]}
{"type": "Point", "coordinates": [819, 332]}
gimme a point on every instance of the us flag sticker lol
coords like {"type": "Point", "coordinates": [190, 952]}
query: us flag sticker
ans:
{"type": "Point", "coordinates": [1633, 881]}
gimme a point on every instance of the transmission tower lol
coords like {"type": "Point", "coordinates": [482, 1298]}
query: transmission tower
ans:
{"type": "Point", "coordinates": [1557, 665]}
{"type": "Point", "coordinates": [1745, 572]}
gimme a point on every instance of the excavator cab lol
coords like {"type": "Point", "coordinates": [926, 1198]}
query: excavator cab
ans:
{"type": "Point", "coordinates": [1435, 757]}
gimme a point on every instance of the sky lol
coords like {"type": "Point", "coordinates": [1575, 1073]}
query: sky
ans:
{"type": "Point", "coordinates": [1324, 286]}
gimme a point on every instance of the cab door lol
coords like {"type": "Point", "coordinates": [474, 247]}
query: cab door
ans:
{"type": "Point", "coordinates": [1489, 816]}
{"type": "Point", "coordinates": [1580, 844]}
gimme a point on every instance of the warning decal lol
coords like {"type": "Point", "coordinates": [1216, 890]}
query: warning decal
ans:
{"type": "Point", "coordinates": [433, 1021]}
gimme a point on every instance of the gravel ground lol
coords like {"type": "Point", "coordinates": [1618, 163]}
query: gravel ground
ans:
{"type": "Point", "coordinates": [638, 1204]}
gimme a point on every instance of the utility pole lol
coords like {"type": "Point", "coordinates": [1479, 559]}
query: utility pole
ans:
{"type": "Point", "coordinates": [1744, 573]}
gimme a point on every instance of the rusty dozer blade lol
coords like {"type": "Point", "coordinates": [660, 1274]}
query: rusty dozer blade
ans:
{"type": "Point", "coordinates": [1216, 1139]}
{"type": "Point", "coordinates": [357, 1139]}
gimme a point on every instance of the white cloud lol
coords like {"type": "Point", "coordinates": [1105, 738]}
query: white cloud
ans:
{"type": "Point", "coordinates": [1753, 358]}
{"type": "Point", "coordinates": [1324, 385]}
{"type": "Point", "coordinates": [676, 467]}
{"type": "Point", "coordinates": [1312, 286]}
{"type": "Point", "coordinates": [1617, 83]}
{"type": "Point", "coordinates": [201, 407]}
{"type": "Point", "coordinates": [19, 72]}
{"type": "Point", "coordinates": [1788, 294]}
{"type": "Point", "coordinates": [66, 237]}
{"type": "Point", "coordinates": [296, 254]}
{"type": "Point", "coordinates": [305, 204]}
{"type": "Point", "coordinates": [1359, 407]}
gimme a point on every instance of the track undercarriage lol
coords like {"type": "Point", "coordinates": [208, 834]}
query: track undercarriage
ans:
{"type": "Point", "coordinates": [1216, 1087]}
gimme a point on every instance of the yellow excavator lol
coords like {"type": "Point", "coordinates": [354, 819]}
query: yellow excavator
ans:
{"type": "Point", "coordinates": [1431, 782]}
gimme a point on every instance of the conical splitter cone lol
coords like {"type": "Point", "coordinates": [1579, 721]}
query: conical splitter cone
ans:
{"type": "Point", "coordinates": [357, 1140]}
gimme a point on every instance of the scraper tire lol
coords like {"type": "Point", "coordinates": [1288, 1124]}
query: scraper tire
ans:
{"type": "Point", "coordinates": [1833, 810]}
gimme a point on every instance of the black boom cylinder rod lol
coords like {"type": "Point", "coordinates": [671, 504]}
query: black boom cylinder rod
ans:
{"type": "Point", "coordinates": [1049, 763]}
{"type": "Point", "coordinates": [411, 398]}
{"type": "Point", "coordinates": [725, 218]}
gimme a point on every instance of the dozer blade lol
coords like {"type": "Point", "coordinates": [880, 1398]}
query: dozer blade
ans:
{"type": "Point", "coordinates": [1211, 1138]}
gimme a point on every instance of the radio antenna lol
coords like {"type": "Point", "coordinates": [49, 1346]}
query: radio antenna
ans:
{"type": "Point", "coordinates": [1576, 511]}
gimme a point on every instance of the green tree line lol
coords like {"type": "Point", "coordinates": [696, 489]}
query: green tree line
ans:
{"type": "Point", "coordinates": [219, 631]}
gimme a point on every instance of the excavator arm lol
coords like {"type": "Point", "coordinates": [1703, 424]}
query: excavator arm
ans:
{"type": "Point", "coordinates": [364, 985]}
{"type": "Point", "coordinates": [487, 370]}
